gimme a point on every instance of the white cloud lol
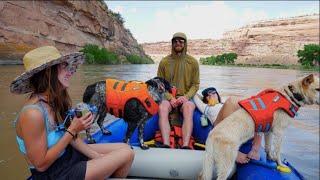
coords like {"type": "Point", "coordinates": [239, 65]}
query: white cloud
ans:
{"type": "Point", "coordinates": [133, 10]}
{"type": "Point", "coordinates": [119, 9]}
{"type": "Point", "coordinates": [250, 15]}
{"type": "Point", "coordinates": [197, 21]}
{"type": "Point", "coordinates": [209, 20]}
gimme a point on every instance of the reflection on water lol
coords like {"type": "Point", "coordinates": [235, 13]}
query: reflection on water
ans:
{"type": "Point", "coordinates": [301, 143]}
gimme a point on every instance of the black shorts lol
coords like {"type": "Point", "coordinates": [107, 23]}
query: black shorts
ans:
{"type": "Point", "coordinates": [71, 165]}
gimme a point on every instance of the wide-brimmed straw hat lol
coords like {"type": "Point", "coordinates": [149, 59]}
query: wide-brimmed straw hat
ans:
{"type": "Point", "coordinates": [37, 60]}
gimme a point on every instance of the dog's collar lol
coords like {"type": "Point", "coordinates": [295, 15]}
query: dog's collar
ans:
{"type": "Point", "coordinates": [293, 99]}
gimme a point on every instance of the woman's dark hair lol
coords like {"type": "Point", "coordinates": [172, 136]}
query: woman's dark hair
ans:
{"type": "Point", "coordinates": [205, 94]}
{"type": "Point", "coordinates": [58, 97]}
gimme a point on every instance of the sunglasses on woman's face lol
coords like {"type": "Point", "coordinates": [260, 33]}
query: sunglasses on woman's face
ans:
{"type": "Point", "coordinates": [176, 41]}
{"type": "Point", "coordinates": [212, 92]}
{"type": "Point", "coordinates": [70, 67]}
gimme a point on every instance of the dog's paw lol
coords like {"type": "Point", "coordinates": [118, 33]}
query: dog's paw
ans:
{"type": "Point", "coordinates": [144, 146]}
{"type": "Point", "coordinates": [271, 156]}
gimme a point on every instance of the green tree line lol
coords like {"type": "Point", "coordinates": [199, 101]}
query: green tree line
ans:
{"type": "Point", "coordinates": [96, 55]}
{"type": "Point", "coordinates": [226, 58]}
{"type": "Point", "coordinates": [309, 57]}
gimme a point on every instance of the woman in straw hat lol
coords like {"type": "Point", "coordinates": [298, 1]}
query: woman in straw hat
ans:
{"type": "Point", "coordinates": [53, 152]}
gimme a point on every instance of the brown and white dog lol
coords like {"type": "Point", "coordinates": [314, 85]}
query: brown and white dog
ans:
{"type": "Point", "coordinates": [224, 141]}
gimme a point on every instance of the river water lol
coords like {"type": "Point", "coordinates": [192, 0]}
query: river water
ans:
{"type": "Point", "coordinates": [301, 143]}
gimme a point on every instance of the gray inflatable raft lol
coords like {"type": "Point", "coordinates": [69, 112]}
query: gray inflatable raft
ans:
{"type": "Point", "coordinates": [167, 163]}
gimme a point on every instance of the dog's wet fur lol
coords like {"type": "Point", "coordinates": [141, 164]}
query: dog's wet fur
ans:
{"type": "Point", "coordinates": [134, 112]}
{"type": "Point", "coordinates": [224, 140]}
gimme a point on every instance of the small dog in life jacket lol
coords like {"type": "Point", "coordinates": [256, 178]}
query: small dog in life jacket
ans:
{"type": "Point", "coordinates": [270, 112]}
{"type": "Point", "coordinates": [134, 101]}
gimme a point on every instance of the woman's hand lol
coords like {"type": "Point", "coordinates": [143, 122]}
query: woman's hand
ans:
{"type": "Point", "coordinates": [82, 123]}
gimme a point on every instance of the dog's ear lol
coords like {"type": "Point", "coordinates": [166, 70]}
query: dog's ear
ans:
{"type": "Point", "coordinates": [152, 83]}
{"type": "Point", "coordinates": [166, 84]}
{"type": "Point", "coordinates": [307, 80]}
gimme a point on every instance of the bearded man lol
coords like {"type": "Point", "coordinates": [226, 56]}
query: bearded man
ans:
{"type": "Point", "coordinates": [182, 71]}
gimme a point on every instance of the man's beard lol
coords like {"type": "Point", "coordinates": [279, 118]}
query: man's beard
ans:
{"type": "Point", "coordinates": [180, 50]}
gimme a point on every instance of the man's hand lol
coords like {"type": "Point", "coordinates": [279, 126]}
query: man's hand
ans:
{"type": "Point", "coordinates": [182, 99]}
{"type": "Point", "coordinates": [174, 102]}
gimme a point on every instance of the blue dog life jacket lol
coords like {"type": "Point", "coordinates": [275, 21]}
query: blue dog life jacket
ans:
{"type": "Point", "coordinates": [53, 136]}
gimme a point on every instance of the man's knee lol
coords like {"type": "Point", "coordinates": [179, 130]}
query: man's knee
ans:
{"type": "Point", "coordinates": [164, 106]}
{"type": "Point", "coordinates": [189, 106]}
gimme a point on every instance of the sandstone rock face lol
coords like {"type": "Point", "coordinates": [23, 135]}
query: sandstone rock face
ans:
{"type": "Point", "coordinates": [265, 42]}
{"type": "Point", "coordinates": [68, 25]}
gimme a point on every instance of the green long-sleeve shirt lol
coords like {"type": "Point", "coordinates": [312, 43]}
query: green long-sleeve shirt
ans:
{"type": "Point", "coordinates": [182, 72]}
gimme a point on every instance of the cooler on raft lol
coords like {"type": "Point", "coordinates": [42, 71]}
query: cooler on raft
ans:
{"type": "Point", "coordinates": [186, 164]}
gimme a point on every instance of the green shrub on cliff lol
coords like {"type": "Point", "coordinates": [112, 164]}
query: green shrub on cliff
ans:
{"type": "Point", "coordinates": [96, 55]}
{"type": "Point", "coordinates": [135, 59]}
{"type": "Point", "coordinates": [117, 16]}
{"type": "Point", "coordinates": [225, 58]}
{"type": "Point", "coordinates": [310, 55]}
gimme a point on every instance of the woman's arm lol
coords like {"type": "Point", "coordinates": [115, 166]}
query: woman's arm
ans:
{"type": "Point", "coordinates": [35, 138]}
{"type": "Point", "coordinates": [33, 132]}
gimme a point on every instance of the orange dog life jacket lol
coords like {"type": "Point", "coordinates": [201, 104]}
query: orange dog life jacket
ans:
{"type": "Point", "coordinates": [262, 106]}
{"type": "Point", "coordinates": [118, 92]}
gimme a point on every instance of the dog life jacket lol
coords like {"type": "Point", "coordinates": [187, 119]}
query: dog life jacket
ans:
{"type": "Point", "coordinates": [118, 92]}
{"type": "Point", "coordinates": [262, 106]}
{"type": "Point", "coordinates": [175, 138]}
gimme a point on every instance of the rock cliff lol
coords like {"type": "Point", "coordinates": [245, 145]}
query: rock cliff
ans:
{"type": "Point", "coordinates": [266, 42]}
{"type": "Point", "coordinates": [68, 25]}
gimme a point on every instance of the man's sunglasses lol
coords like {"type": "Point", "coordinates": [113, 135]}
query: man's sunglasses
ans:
{"type": "Point", "coordinates": [181, 41]}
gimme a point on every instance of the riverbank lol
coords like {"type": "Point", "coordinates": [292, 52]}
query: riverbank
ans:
{"type": "Point", "coordinates": [273, 66]}
{"type": "Point", "coordinates": [10, 62]}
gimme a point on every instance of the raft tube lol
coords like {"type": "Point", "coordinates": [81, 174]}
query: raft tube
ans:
{"type": "Point", "coordinates": [186, 164]}
{"type": "Point", "coordinates": [264, 169]}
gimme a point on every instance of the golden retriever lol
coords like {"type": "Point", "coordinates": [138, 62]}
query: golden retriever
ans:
{"type": "Point", "coordinates": [224, 140]}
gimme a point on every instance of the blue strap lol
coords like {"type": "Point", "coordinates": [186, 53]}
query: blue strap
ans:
{"type": "Point", "coordinates": [267, 127]}
{"type": "Point", "coordinates": [253, 104]}
{"type": "Point", "coordinates": [263, 106]}
{"type": "Point", "coordinates": [45, 115]}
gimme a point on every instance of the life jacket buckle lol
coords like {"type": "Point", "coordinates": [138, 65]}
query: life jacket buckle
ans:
{"type": "Point", "coordinates": [276, 98]}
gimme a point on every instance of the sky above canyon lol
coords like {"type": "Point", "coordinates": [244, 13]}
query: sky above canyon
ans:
{"type": "Point", "coordinates": [153, 21]}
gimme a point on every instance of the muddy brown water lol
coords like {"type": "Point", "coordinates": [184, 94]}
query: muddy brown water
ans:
{"type": "Point", "coordinates": [301, 143]}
